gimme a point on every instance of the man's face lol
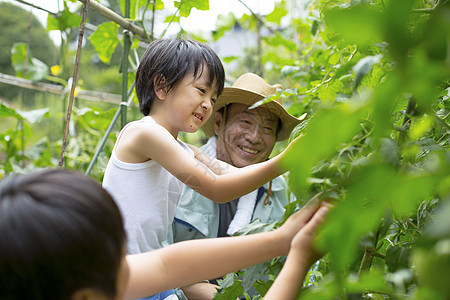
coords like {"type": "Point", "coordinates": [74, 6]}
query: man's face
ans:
{"type": "Point", "coordinates": [248, 135]}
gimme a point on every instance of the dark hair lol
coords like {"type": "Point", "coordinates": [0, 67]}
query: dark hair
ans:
{"type": "Point", "coordinates": [60, 232]}
{"type": "Point", "coordinates": [173, 59]}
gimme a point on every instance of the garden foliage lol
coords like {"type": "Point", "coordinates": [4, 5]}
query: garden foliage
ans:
{"type": "Point", "coordinates": [373, 78]}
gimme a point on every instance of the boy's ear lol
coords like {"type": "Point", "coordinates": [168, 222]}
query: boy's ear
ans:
{"type": "Point", "coordinates": [218, 123]}
{"type": "Point", "coordinates": [158, 84]}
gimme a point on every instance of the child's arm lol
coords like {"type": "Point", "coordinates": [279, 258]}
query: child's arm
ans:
{"type": "Point", "coordinates": [300, 258]}
{"type": "Point", "coordinates": [189, 262]}
{"type": "Point", "coordinates": [149, 141]}
{"type": "Point", "coordinates": [217, 166]}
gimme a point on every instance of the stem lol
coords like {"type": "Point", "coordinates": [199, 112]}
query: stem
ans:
{"type": "Point", "coordinates": [407, 120]}
{"type": "Point", "coordinates": [369, 253]}
{"type": "Point", "coordinates": [258, 17]}
{"type": "Point", "coordinates": [413, 225]}
{"type": "Point", "coordinates": [74, 81]}
{"type": "Point", "coordinates": [37, 7]}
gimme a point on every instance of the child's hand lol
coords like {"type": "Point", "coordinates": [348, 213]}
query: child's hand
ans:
{"type": "Point", "coordinates": [299, 219]}
{"type": "Point", "coordinates": [282, 156]}
{"type": "Point", "coordinates": [303, 240]}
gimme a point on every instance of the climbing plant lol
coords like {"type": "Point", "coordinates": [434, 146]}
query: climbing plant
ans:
{"type": "Point", "coordinates": [372, 77]}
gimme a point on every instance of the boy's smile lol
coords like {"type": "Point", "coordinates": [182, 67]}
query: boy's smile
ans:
{"type": "Point", "coordinates": [187, 106]}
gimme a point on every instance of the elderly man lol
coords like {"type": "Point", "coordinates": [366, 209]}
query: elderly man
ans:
{"type": "Point", "coordinates": [239, 136]}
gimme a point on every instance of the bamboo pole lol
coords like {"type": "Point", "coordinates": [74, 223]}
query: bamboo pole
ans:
{"type": "Point", "coordinates": [59, 89]}
{"type": "Point", "coordinates": [74, 82]}
{"type": "Point", "coordinates": [111, 15]}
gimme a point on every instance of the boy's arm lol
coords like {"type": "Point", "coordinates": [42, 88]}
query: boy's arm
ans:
{"type": "Point", "coordinates": [157, 144]}
{"type": "Point", "coordinates": [189, 262]}
{"type": "Point", "coordinates": [300, 258]}
{"type": "Point", "coordinates": [215, 165]}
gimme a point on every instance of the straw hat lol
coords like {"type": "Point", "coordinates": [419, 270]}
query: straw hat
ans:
{"type": "Point", "coordinates": [249, 89]}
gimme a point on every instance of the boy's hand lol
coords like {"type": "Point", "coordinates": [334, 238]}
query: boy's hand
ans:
{"type": "Point", "coordinates": [303, 240]}
{"type": "Point", "coordinates": [299, 219]}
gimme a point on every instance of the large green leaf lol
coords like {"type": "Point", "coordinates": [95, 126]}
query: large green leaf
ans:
{"type": "Point", "coordinates": [357, 25]}
{"type": "Point", "coordinates": [231, 288]}
{"type": "Point", "coordinates": [65, 20]}
{"type": "Point", "coordinates": [397, 257]}
{"type": "Point", "coordinates": [25, 65]}
{"type": "Point", "coordinates": [34, 116]}
{"type": "Point", "coordinates": [278, 13]}
{"type": "Point", "coordinates": [223, 24]}
{"type": "Point", "coordinates": [185, 6]}
{"type": "Point", "coordinates": [105, 40]}
{"type": "Point", "coordinates": [323, 134]}
{"type": "Point", "coordinates": [6, 111]}
{"type": "Point", "coordinates": [328, 92]}
{"type": "Point", "coordinates": [364, 66]}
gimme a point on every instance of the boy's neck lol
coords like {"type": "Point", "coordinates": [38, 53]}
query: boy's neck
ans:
{"type": "Point", "coordinates": [161, 121]}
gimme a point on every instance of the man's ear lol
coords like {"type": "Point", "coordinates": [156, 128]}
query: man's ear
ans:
{"type": "Point", "coordinates": [158, 82]}
{"type": "Point", "coordinates": [88, 294]}
{"type": "Point", "coordinates": [218, 123]}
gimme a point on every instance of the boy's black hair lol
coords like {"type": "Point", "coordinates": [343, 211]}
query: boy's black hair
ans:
{"type": "Point", "coordinates": [60, 232]}
{"type": "Point", "coordinates": [173, 59]}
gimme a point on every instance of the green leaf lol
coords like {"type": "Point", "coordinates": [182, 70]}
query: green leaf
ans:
{"type": "Point", "coordinates": [34, 116]}
{"type": "Point", "coordinates": [277, 39]}
{"type": "Point", "coordinates": [397, 257]}
{"type": "Point", "coordinates": [357, 25]}
{"type": "Point", "coordinates": [6, 111]}
{"type": "Point", "coordinates": [262, 286]}
{"type": "Point", "coordinates": [229, 59]}
{"type": "Point", "coordinates": [185, 6]}
{"type": "Point", "coordinates": [278, 13]}
{"type": "Point", "coordinates": [224, 23]}
{"type": "Point", "coordinates": [327, 93]}
{"type": "Point", "coordinates": [364, 66]}
{"type": "Point", "coordinates": [105, 40]}
{"type": "Point", "coordinates": [65, 20]}
{"type": "Point", "coordinates": [254, 227]}
{"type": "Point", "coordinates": [319, 141]}
{"type": "Point", "coordinates": [389, 150]}
{"type": "Point", "coordinates": [373, 281]}
{"type": "Point", "coordinates": [25, 65]}
{"type": "Point", "coordinates": [230, 288]}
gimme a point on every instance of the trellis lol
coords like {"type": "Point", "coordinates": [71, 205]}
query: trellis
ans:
{"type": "Point", "coordinates": [129, 30]}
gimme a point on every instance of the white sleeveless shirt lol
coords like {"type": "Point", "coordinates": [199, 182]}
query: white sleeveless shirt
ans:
{"type": "Point", "coordinates": [147, 195]}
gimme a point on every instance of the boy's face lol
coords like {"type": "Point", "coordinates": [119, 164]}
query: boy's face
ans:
{"type": "Point", "coordinates": [189, 105]}
{"type": "Point", "coordinates": [247, 137]}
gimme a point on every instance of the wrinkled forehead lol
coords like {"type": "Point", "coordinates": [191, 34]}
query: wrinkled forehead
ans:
{"type": "Point", "coordinates": [261, 113]}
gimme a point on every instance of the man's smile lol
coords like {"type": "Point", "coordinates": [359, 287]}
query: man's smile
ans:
{"type": "Point", "coordinates": [248, 150]}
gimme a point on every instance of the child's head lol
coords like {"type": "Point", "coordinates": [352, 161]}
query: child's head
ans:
{"type": "Point", "coordinates": [61, 232]}
{"type": "Point", "coordinates": [167, 61]}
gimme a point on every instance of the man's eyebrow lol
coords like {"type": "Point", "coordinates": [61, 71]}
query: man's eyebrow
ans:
{"type": "Point", "coordinates": [268, 119]}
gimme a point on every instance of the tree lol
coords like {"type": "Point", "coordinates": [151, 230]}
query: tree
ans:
{"type": "Point", "coordinates": [19, 25]}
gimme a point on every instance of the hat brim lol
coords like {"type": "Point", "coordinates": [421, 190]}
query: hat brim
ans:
{"type": "Point", "coordinates": [247, 97]}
